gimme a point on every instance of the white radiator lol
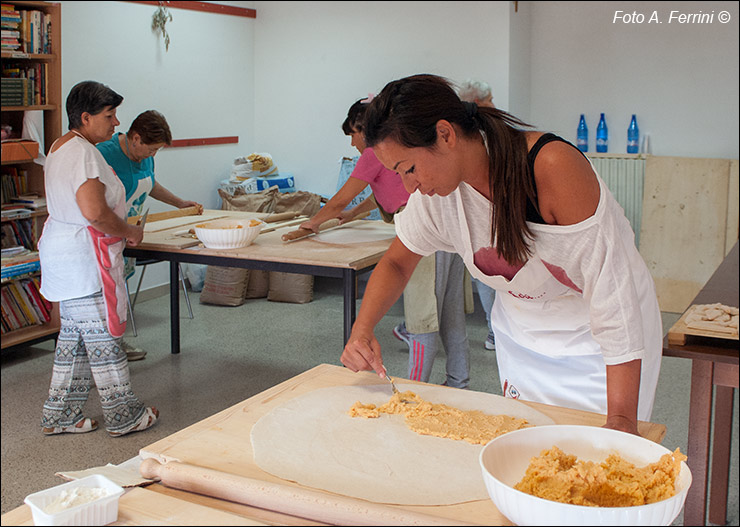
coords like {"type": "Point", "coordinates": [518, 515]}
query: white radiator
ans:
{"type": "Point", "coordinates": [625, 177]}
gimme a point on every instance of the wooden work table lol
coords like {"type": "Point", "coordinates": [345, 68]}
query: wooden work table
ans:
{"type": "Point", "coordinates": [221, 442]}
{"type": "Point", "coordinates": [317, 255]}
{"type": "Point", "coordinates": [714, 366]}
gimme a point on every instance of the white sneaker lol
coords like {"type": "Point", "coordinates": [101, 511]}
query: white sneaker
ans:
{"type": "Point", "coordinates": [490, 343]}
{"type": "Point", "coordinates": [132, 353]}
{"type": "Point", "coordinates": [401, 334]}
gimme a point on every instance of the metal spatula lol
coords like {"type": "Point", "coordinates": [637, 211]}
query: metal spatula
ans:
{"type": "Point", "coordinates": [393, 385]}
{"type": "Point", "coordinates": [395, 390]}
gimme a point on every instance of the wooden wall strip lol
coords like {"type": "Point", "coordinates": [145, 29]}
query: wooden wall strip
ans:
{"type": "Point", "coordinates": [200, 141]}
{"type": "Point", "coordinates": [204, 6]}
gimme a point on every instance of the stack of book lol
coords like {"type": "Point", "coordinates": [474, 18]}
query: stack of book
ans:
{"type": "Point", "coordinates": [28, 31]}
{"type": "Point", "coordinates": [11, 31]}
{"type": "Point", "coordinates": [30, 201]}
{"type": "Point", "coordinates": [18, 261]}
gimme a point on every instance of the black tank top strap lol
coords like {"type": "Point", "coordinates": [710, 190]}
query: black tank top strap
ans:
{"type": "Point", "coordinates": [532, 214]}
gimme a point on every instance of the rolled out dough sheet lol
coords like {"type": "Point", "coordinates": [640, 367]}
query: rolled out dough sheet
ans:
{"type": "Point", "coordinates": [312, 440]}
{"type": "Point", "coordinates": [361, 232]}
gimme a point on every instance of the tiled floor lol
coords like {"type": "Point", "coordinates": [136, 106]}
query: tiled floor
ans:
{"type": "Point", "coordinates": [229, 354]}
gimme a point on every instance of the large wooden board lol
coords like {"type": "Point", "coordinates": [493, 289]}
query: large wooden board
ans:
{"type": "Point", "coordinates": [221, 442]}
{"type": "Point", "coordinates": [270, 247]}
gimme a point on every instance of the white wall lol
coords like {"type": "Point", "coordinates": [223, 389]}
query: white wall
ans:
{"type": "Point", "coordinates": [680, 79]}
{"type": "Point", "coordinates": [520, 76]}
{"type": "Point", "coordinates": [283, 82]}
{"type": "Point", "coordinates": [204, 86]}
{"type": "Point", "coordinates": [314, 59]}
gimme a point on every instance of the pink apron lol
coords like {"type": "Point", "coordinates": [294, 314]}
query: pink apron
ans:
{"type": "Point", "coordinates": [109, 255]}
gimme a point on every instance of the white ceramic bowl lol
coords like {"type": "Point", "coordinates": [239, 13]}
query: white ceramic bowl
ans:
{"type": "Point", "coordinates": [227, 234]}
{"type": "Point", "coordinates": [101, 511]}
{"type": "Point", "coordinates": [505, 459]}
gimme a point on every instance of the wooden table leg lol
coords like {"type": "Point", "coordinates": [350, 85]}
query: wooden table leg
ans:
{"type": "Point", "coordinates": [723, 403]}
{"type": "Point", "coordinates": [700, 416]}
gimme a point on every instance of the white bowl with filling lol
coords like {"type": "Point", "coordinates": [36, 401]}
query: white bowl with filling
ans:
{"type": "Point", "coordinates": [228, 234]}
{"type": "Point", "coordinates": [504, 462]}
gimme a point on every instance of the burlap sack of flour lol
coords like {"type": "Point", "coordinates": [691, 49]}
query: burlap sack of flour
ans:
{"type": "Point", "coordinates": [258, 284]}
{"type": "Point", "coordinates": [224, 286]}
{"type": "Point", "coordinates": [262, 201]}
{"type": "Point", "coordinates": [290, 287]}
{"type": "Point", "coordinates": [272, 200]}
{"type": "Point", "coordinates": [305, 203]}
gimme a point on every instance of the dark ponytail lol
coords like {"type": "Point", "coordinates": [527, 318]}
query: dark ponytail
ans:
{"type": "Point", "coordinates": [407, 110]}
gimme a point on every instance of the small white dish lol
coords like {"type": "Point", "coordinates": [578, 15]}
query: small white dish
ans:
{"type": "Point", "coordinates": [99, 511]}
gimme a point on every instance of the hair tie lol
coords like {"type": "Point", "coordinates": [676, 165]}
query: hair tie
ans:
{"type": "Point", "coordinates": [471, 109]}
{"type": "Point", "coordinates": [369, 99]}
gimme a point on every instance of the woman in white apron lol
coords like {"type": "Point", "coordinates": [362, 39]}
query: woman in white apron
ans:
{"type": "Point", "coordinates": [81, 254]}
{"type": "Point", "coordinates": [576, 317]}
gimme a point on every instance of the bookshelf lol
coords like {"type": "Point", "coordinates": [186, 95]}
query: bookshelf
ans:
{"type": "Point", "coordinates": [38, 58]}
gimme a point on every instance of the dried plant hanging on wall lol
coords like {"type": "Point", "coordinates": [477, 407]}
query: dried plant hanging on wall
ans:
{"type": "Point", "coordinates": [159, 21]}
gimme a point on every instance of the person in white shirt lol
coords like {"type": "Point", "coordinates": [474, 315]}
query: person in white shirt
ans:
{"type": "Point", "coordinates": [81, 254]}
{"type": "Point", "coordinates": [576, 316]}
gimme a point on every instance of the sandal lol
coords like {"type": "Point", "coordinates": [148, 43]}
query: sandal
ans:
{"type": "Point", "coordinates": [86, 425]}
{"type": "Point", "coordinates": [147, 420]}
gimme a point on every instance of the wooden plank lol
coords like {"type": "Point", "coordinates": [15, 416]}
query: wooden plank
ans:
{"type": "Point", "coordinates": [203, 141]}
{"type": "Point", "coordinates": [733, 207]}
{"type": "Point", "coordinates": [679, 332]}
{"type": "Point", "coordinates": [221, 442]}
{"type": "Point", "coordinates": [208, 7]}
{"type": "Point", "coordinates": [684, 225]}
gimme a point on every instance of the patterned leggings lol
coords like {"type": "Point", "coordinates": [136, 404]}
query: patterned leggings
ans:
{"type": "Point", "coordinates": [86, 354]}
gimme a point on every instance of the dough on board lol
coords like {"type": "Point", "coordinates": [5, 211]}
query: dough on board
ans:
{"type": "Point", "coordinates": [313, 441]}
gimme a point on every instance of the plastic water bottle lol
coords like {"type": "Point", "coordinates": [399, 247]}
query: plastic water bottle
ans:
{"type": "Point", "coordinates": [582, 135]}
{"type": "Point", "coordinates": [633, 136]}
{"type": "Point", "coordinates": [602, 135]}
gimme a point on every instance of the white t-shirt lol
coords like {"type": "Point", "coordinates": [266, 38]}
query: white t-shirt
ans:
{"type": "Point", "coordinates": [585, 299]}
{"type": "Point", "coordinates": [587, 276]}
{"type": "Point", "coordinates": [69, 267]}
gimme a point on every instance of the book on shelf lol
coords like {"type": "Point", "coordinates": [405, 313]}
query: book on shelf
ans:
{"type": "Point", "coordinates": [30, 201]}
{"type": "Point", "coordinates": [11, 312]}
{"type": "Point", "coordinates": [12, 302]}
{"type": "Point", "coordinates": [18, 232]}
{"type": "Point", "coordinates": [23, 304]}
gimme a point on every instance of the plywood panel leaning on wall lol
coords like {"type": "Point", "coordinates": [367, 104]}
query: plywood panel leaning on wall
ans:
{"type": "Point", "coordinates": [689, 223]}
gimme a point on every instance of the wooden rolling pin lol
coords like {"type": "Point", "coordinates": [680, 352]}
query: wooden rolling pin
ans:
{"type": "Point", "coordinates": [158, 216]}
{"type": "Point", "coordinates": [329, 224]}
{"type": "Point", "coordinates": [294, 501]}
{"type": "Point", "coordinates": [280, 216]}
